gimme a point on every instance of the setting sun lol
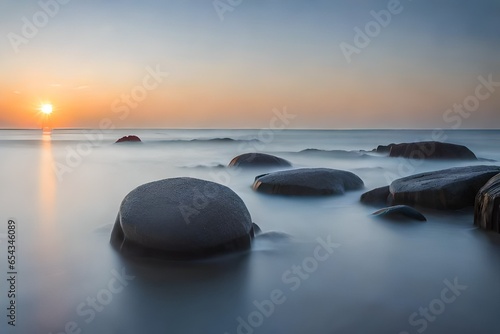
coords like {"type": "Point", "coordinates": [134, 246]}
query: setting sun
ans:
{"type": "Point", "coordinates": [46, 109]}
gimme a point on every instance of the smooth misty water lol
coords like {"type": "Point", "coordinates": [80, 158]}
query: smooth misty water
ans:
{"type": "Point", "coordinates": [381, 273]}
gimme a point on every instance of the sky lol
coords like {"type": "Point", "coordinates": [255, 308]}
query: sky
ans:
{"type": "Point", "coordinates": [232, 63]}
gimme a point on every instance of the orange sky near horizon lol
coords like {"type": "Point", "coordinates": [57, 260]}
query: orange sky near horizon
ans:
{"type": "Point", "coordinates": [232, 73]}
{"type": "Point", "coordinates": [191, 103]}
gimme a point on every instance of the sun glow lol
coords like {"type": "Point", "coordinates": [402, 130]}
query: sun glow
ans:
{"type": "Point", "coordinates": [46, 109]}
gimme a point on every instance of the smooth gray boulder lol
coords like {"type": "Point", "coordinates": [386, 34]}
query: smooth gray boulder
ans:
{"type": "Point", "coordinates": [427, 150]}
{"type": "Point", "coordinates": [182, 218]}
{"type": "Point", "coordinates": [377, 196]}
{"type": "Point", "coordinates": [487, 205]}
{"type": "Point", "coordinates": [452, 188]}
{"type": "Point", "coordinates": [258, 160]}
{"type": "Point", "coordinates": [307, 181]}
{"type": "Point", "coordinates": [398, 211]}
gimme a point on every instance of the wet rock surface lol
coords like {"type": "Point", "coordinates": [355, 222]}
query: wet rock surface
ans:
{"type": "Point", "coordinates": [427, 150]}
{"type": "Point", "coordinates": [487, 205]}
{"type": "Point", "coordinates": [258, 160]}
{"type": "Point", "coordinates": [182, 218]}
{"type": "Point", "coordinates": [308, 181]}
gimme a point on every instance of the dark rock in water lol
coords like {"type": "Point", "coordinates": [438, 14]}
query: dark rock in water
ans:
{"type": "Point", "coordinates": [453, 188]}
{"type": "Point", "coordinates": [487, 206]}
{"type": "Point", "coordinates": [181, 218]}
{"type": "Point", "coordinates": [308, 181]}
{"type": "Point", "coordinates": [132, 138]}
{"type": "Point", "coordinates": [427, 150]}
{"type": "Point", "coordinates": [384, 148]}
{"type": "Point", "coordinates": [400, 211]}
{"type": "Point", "coordinates": [258, 160]}
{"type": "Point", "coordinates": [213, 165]}
{"type": "Point", "coordinates": [378, 196]}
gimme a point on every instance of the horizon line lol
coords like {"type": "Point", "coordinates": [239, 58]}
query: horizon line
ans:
{"type": "Point", "coordinates": [258, 129]}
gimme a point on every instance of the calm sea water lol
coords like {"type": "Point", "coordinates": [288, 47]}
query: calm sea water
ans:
{"type": "Point", "coordinates": [64, 190]}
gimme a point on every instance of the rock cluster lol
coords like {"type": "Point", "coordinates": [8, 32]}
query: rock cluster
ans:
{"type": "Point", "coordinates": [452, 188]}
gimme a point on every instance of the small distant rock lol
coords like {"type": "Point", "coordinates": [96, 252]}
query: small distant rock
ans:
{"type": "Point", "coordinates": [132, 138]}
{"type": "Point", "coordinates": [487, 205]}
{"type": "Point", "coordinates": [308, 181]}
{"type": "Point", "coordinates": [399, 211]}
{"type": "Point", "coordinates": [182, 218]}
{"type": "Point", "coordinates": [207, 166]}
{"type": "Point", "coordinates": [258, 160]}
{"type": "Point", "coordinates": [447, 189]}
{"type": "Point", "coordinates": [427, 150]}
{"type": "Point", "coordinates": [378, 196]}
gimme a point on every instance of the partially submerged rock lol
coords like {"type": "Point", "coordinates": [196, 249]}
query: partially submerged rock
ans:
{"type": "Point", "coordinates": [378, 196]}
{"type": "Point", "coordinates": [487, 205]}
{"type": "Point", "coordinates": [182, 218]}
{"type": "Point", "coordinates": [131, 138]}
{"type": "Point", "coordinates": [452, 188]}
{"type": "Point", "coordinates": [258, 160]}
{"type": "Point", "coordinates": [427, 150]}
{"type": "Point", "coordinates": [384, 148]}
{"type": "Point", "coordinates": [308, 181]}
{"type": "Point", "coordinates": [398, 211]}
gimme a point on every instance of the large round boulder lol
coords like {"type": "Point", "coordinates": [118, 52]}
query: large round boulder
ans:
{"type": "Point", "coordinates": [308, 181]}
{"type": "Point", "coordinates": [427, 150]}
{"type": "Point", "coordinates": [258, 160]}
{"type": "Point", "coordinates": [182, 218]}
{"type": "Point", "coordinates": [487, 206]}
{"type": "Point", "coordinates": [453, 188]}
